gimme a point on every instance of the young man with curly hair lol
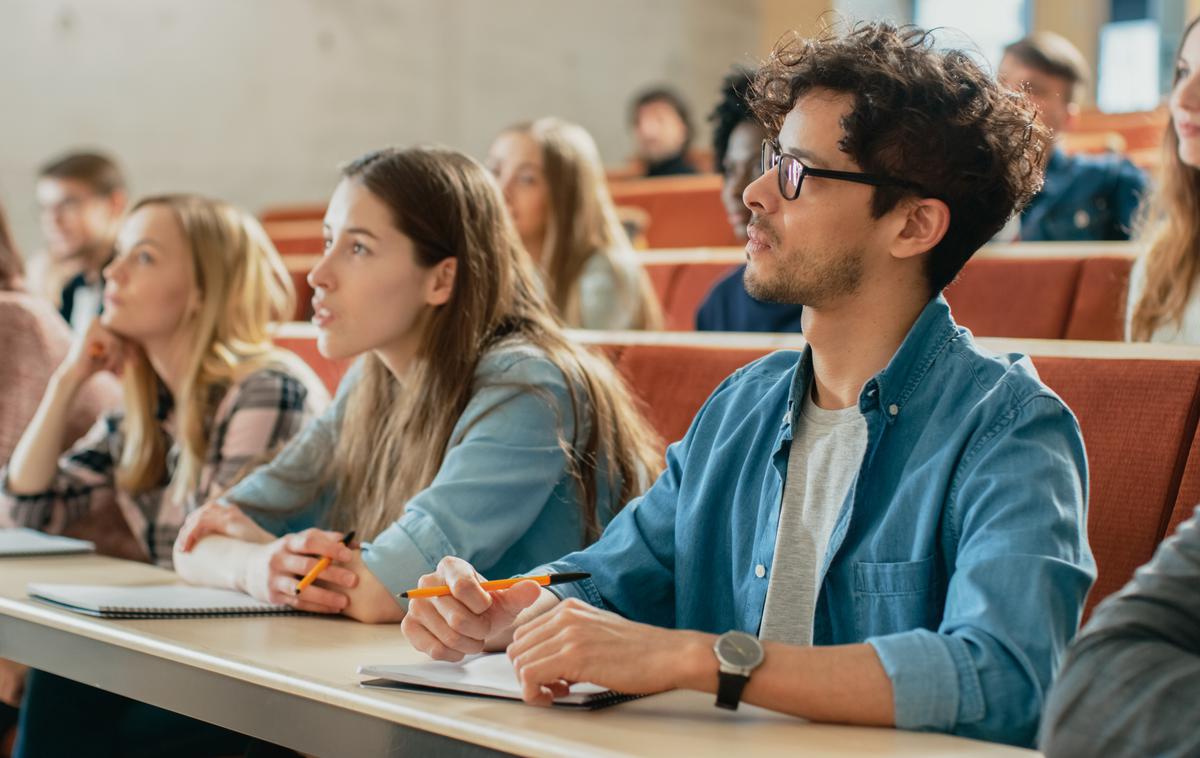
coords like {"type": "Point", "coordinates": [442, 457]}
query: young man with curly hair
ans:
{"type": "Point", "coordinates": [887, 528]}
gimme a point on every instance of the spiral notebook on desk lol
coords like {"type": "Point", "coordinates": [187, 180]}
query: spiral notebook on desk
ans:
{"type": "Point", "coordinates": [152, 601]}
{"type": "Point", "coordinates": [22, 543]}
{"type": "Point", "coordinates": [488, 675]}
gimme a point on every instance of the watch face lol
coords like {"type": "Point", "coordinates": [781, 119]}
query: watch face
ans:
{"type": "Point", "coordinates": [739, 649]}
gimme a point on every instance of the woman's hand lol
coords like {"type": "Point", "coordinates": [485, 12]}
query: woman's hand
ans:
{"type": "Point", "coordinates": [218, 518]}
{"type": "Point", "coordinates": [276, 568]}
{"type": "Point", "coordinates": [97, 349]}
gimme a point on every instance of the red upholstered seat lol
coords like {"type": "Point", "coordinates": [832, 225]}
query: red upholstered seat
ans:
{"type": "Point", "coordinates": [1098, 312]}
{"type": "Point", "coordinates": [1138, 422]}
{"type": "Point", "coordinates": [685, 211]}
{"type": "Point", "coordinates": [1189, 490]}
{"type": "Point", "coordinates": [1009, 297]}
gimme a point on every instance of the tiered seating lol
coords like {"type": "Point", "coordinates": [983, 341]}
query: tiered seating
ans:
{"type": "Point", "coordinates": [1137, 405]}
{"type": "Point", "coordinates": [1039, 291]}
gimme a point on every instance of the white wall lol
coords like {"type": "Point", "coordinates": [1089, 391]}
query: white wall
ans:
{"type": "Point", "coordinates": [257, 101]}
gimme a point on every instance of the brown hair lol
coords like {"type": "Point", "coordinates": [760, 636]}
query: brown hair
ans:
{"type": "Point", "coordinates": [395, 432]}
{"type": "Point", "coordinates": [929, 117]}
{"type": "Point", "coordinates": [12, 268]}
{"type": "Point", "coordinates": [243, 286]}
{"type": "Point", "coordinates": [1052, 54]}
{"type": "Point", "coordinates": [98, 171]}
{"type": "Point", "coordinates": [1169, 223]}
{"type": "Point", "coordinates": [583, 222]}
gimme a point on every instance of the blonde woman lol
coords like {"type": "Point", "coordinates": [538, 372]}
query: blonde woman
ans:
{"type": "Point", "coordinates": [555, 191]}
{"type": "Point", "coordinates": [1164, 300]}
{"type": "Point", "coordinates": [188, 302]}
{"type": "Point", "coordinates": [469, 426]}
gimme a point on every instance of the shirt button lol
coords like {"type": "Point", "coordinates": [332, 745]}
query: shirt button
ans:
{"type": "Point", "coordinates": [760, 571]}
{"type": "Point", "coordinates": [893, 409]}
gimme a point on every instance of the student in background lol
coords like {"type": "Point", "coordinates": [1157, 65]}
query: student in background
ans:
{"type": "Point", "coordinates": [556, 194]}
{"type": "Point", "coordinates": [662, 132]}
{"type": "Point", "coordinates": [470, 424]}
{"type": "Point", "coordinates": [189, 300]}
{"type": "Point", "coordinates": [888, 528]}
{"type": "Point", "coordinates": [1130, 686]}
{"type": "Point", "coordinates": [1085, 197]}
{"type": "Point", "coordinates": [737, 148]}
{"type": "Point", "coordinates": [34, 339]}
{"type": "Point", "coordinates": [82, 197]}
{"type": "Point", "coordinates": [1164, 299]}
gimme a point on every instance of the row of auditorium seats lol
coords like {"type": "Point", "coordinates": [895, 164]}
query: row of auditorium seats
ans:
{"type": "Point", "coordinates": [1005, 291]}
{"type": "Point", "coordinates": [1137, 405]}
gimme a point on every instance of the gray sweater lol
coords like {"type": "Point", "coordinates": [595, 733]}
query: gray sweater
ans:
{"type": "Point", "coordinates": [1130, 685]}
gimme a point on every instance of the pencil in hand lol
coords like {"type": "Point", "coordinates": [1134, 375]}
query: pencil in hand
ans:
{"type": "Point", "coordinates": [498, 584]}
{"type": "Point", "coordinates": [322, 564]}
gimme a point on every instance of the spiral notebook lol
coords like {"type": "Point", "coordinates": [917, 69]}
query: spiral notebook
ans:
{"type": "Point", "coordinates": [489, 675]}
{"type": "Point", "coordinates": [152, 601]}
{"type": "Point", "coordinates": [22, 543]}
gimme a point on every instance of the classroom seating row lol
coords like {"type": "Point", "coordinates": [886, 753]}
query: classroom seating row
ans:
{"type": "Point", "coordinates": [1138, 407]}
{"type": "Point", "coordinates": [1005, 291]}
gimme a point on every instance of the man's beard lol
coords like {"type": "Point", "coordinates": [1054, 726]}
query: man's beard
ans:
{"type": "Point", "coordinates": [805, 279]}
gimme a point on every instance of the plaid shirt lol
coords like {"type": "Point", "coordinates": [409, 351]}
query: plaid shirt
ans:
{"type": "Point", "coordinates": [253, 419]}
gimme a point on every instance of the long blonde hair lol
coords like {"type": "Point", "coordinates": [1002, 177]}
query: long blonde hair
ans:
{"type": "Point", "coordinates": [1170, 225]}
{"type": "Point", "coordinates": [395, 432]}
{"type": "Point", "coordinates": [242, 286]}
{"type": "Point", "coordinates": [583, 220]}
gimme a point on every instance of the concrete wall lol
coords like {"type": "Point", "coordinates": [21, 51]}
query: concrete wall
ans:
{"type": "Point", "coordinates": [257, 101]}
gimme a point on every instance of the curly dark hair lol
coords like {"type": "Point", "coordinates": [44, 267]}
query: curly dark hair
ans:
{"type": "Point", "coordinates": [733, 109]}
{"type": "Point", "coordinates": [931, 117]}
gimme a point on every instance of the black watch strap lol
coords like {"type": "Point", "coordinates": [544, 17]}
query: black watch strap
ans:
{"type": "Point", "coordinates": [729, 689]}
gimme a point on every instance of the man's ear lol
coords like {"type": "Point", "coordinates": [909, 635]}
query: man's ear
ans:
{"type": "Point", "coordinates": [924, 226]}
{"type": "Point", "coordinates": [1072, 117]}
{"type": "Point", "coordinates": [117, 202]}
{"type": "Point", "coordinates": [440, 285]}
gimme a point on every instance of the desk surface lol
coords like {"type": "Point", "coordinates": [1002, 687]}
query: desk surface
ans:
{"type": "Point", "coordinates": [316, 659]}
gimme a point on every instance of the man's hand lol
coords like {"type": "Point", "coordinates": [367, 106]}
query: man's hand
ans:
{"type": "Point", "coordinates": [470, 619]}
{"type": "Point", "coordinates": [575, 642]}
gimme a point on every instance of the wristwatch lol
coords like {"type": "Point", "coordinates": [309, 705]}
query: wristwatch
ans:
{"type": "Point", "coordinates": [738, 654]}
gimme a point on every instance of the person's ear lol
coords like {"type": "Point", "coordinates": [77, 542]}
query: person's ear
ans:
{"type": "Point", "coordinates": [440, 284]}
{"type": "Point", "coordinates": [925, 225]}
{"type": "Point", "coordinates": [117, 201]}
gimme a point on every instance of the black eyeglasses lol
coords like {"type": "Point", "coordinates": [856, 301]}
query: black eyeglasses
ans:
{"type": "Point", "coordinates": [792, 172]}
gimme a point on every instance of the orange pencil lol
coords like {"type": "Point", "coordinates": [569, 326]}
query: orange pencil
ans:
{"type": "Point", "coordinates": [499, 584]}
{"type": "Point", "coordinates": [322, 564]}
{"type": "Point", "coordinates": [96, 350]}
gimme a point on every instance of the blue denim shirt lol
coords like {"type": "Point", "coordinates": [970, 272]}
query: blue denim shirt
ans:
{"type": "Point", "coordinates": [503, 498]}
{"type": "Point", "coordinates": [960, 553]}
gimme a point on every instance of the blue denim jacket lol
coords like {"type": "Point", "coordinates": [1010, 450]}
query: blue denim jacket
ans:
{"type": "Point", "coordinates": [960, 553]}
{"type": "Point", "coordinates": [503, 498]}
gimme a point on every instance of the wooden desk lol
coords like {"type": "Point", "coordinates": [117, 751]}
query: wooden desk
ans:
{"type": "Point", "coordinates": [292, 680]}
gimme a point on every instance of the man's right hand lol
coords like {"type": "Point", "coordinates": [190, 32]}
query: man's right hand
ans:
{"type": "Point", "coordinates": [470, 619]}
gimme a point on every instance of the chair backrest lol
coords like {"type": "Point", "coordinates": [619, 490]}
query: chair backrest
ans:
{"type": "Point", "coordinates": [684, 211]}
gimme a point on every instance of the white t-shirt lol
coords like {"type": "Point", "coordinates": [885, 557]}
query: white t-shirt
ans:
{"type": "Point", "coordinates": [1187, 332]}
{"type": "Point", "coordinates": [827, 452]}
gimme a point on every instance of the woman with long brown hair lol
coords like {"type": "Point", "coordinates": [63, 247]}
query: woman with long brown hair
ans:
{"type": "Point", "coordinates": [470, 425]}
{"type": "Point", "coordinates": [1164, 299]}
{"type": "Point", "coordinates": [555, 191]}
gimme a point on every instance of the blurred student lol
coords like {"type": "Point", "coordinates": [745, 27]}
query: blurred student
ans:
{"type": "Point", "coordinates": [470, 423]}
{"type": "Point", "coordinates": [82, 197]}
{"type": "Point", "coordinates": [1164, 300]}
{"type": "Point", "coordinates": [737, 148]}
{"type": "Point", "coordinates": [34, 339]}
{"type": "Point", "coordinates": [1085, 197]}
{"type": "Point", "coordinates": [554, 188]}
{"type": "Point", "coordinates": [662, 132]}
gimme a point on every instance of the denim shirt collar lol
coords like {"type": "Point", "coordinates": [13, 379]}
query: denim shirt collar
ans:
{"type": "Point", "coordinates": [891, 388]}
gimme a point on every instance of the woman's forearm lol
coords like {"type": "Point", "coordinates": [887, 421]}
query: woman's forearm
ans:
{"type": "Point", "coordinates": [34, 462]}
{"type": "Point", "coordinates": [216, 561]}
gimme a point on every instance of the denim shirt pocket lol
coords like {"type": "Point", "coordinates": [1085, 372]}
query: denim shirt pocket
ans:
{"type": "Point", "coordinates": [896, 597]}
